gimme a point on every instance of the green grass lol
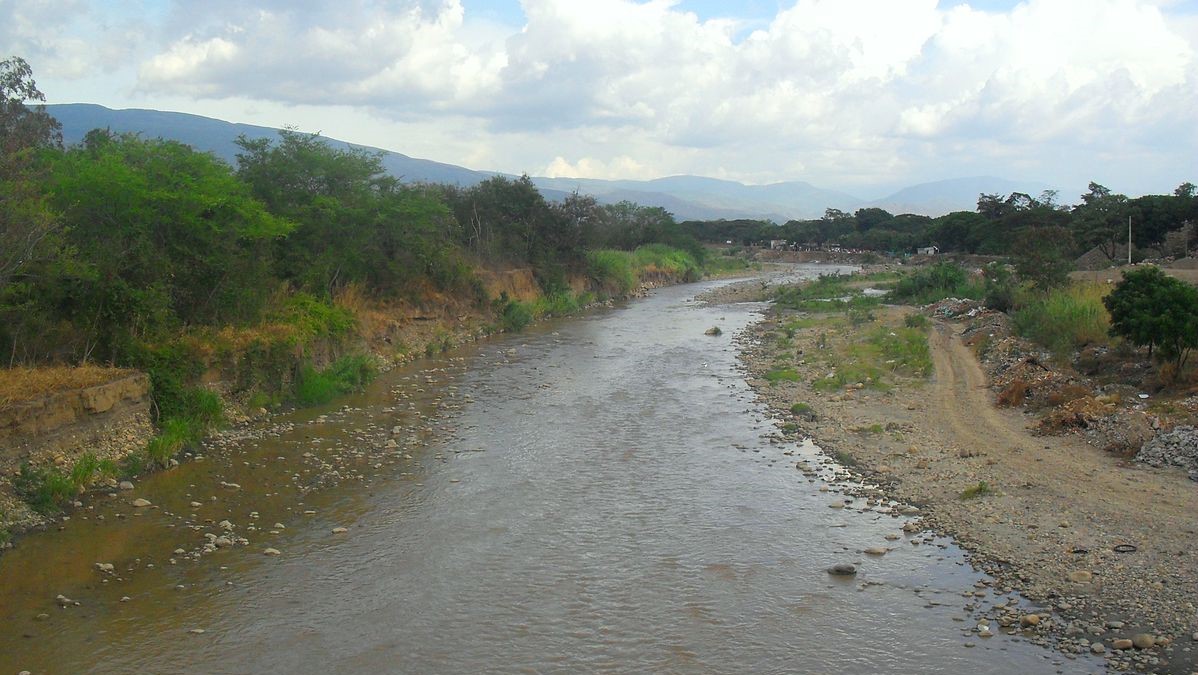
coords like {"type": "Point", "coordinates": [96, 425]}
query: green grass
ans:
{"type": "Point", "coordinates": [47, 489]}
{"type": "Point", "coordinates": [347, 374]}
{"type": "Point", "coordinates": [1065, 319]}
{"type": "Point", "coordinates": [782, 375]}
{"type": "Point", "coordinates": [176, 433]}
{"type": "Point", "coordinates": [934, 283]}
{"type": "Point", "coordinates": [871, 429]}
{"type": "Point", "coordinates": [916, 321]}
{"type": "Point", "coordinates": [982, 489]}
{"type": "Point", "coordinates": [800, 408]}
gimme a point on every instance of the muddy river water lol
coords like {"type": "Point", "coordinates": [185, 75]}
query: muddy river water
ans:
{"type": "Point", "coordinates": [599, 494]}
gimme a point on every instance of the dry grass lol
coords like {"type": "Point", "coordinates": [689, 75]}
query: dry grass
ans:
{"type": "Point", "coordinates": [23, 384]}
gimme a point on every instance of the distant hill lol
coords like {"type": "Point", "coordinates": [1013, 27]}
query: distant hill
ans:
{"type": "Point", "coordinates": [956, 194]}
{"type": "Point", "coordinates": [687, 197]}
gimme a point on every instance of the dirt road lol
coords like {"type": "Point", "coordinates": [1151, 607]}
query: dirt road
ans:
{"type": "Point", "coordinates": [1109, 546]}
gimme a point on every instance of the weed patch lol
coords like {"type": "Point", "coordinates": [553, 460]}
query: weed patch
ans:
{"type": "Point", "coordinates": [982, 489]}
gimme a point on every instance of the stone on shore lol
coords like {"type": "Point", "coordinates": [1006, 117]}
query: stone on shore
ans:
{"type": "Point", "coordinates": [842, 570]}
{"type": "Point", "coordinates": [1143, 641]}
{"type": "Point", "coordinates": [141, 503]}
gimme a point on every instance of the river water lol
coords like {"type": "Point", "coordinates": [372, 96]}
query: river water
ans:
{"type": "Point", "coordinates": [599, 494]}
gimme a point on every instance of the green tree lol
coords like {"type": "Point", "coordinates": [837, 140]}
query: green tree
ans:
{"type": "Point", "coordinates": [1101, 220]}
{"type": "Point", "coordinates": [1043, 255]}
{"type": "Point", "coordinates": [1149, 308]}
{"type": "Point", "coordinates": [27, 225]}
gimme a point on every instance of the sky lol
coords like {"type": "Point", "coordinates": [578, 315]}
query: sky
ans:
{"type": "Point", "coordinates": [858, 95]}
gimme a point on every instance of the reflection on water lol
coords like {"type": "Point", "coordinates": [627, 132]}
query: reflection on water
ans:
{"type": "Point", "coordinates": [598, 494]}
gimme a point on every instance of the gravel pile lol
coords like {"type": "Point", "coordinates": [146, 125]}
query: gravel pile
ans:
{"type": "Point", "coordinates": [1175, 448]}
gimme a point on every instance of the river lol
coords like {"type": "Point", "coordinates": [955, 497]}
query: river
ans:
{"type": "Point", "coordinates": [598, 494]}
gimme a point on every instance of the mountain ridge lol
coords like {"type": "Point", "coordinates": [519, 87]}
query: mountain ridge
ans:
{"type": "Point", "coordinates": [688, 197]}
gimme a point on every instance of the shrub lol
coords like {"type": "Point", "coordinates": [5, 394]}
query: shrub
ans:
{"type": "Point", "coordinates": [1065, 319]}
{"type": "Point", "coordinates": [800, 408]}
{"type": "Point", "coordinates": [916, 321]}
{"type": "Point", "coordinates": [937, 282]}
{"type": "Point", "coordinates": [611, 268]}
{"type": "Point", "coordinates": [347, 374]}
{"type": "Point", "coordinates": [515, 316]}
{"type": "Point", "coordinates": [782, 375]}
{"type": "Point", "coordinates": [1151, 309]}
{"type": "Point", "coordinates": [982, 489]}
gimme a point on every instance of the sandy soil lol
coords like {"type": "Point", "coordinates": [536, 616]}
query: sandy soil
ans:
{"type": "Point", "coordinates": [1057, 511]}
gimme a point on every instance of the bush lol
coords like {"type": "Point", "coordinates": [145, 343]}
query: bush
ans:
{"type": "Point", "coordinates": [516, 316]}
{"type": "Point", "coordinates": [782, 375]}
{"type": "Point", "coordinates": [1151, 309]}
{"type": "Point", "coordinates": [347, 374]}
{"type": "Point", "coordinates": [934, 283]}
{"type": "Point", "coordinates": [1065, 319]}
{"type": "Point", "coordinates": [916, 321]}
{"type": "Point", "coordinates": [610, 268]}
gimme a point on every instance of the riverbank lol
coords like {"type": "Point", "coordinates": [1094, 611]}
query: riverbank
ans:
{"type": "Point", "coordinates": [1105, 549]}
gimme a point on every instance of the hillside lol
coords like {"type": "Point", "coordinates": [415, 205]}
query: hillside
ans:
{"type": "Point", "coordinates": [687, 197]}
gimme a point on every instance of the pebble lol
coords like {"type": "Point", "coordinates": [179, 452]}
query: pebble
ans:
{"type": "Point", "coordinates": [125, 598]}
{"type": "Point", "coordinates": [125, 485]}
{"type": "Point", "coordinates": [877, 550]}
{"type": "Point", "coordinates": [842, 569]}
{"type": "Point", "coordinates": [340, 530]}
{"type": "Point", "coordinates": [280, 526]}
{"type": "Point", "coordinates": [141, 503]}
{"type": "Point", "coordinates": [1122, 643]}
{"type": "Point", "coordinates": [1028, 620]}
{"type": "Point", "coordinates": [271, 551]}
{"type": "Point", "coordinates": [1097, 648]}
{"type": "Point", "coordinates": [105, 567]}
{"type": "Point", "coordinates": [197, 631]}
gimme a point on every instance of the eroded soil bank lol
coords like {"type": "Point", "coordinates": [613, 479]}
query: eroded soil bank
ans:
{"type": "Point", "coordinates": [1107, 548]}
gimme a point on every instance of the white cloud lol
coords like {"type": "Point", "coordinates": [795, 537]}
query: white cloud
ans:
{"type": "Point", "coordinates": [832, 91]}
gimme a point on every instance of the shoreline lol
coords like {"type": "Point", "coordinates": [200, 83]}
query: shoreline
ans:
{"type": "Point", "coordinates": [1049, 514]}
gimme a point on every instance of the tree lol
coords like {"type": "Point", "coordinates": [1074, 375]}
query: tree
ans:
{"type": "Point", "coordinates": [27, 224]}
{"type": "Point", "coordinates": [1101, 220]}
{"type": "Point", "coordinates": [1151, 309]}
{"type": "Point", "coordinates": [1043, 255]}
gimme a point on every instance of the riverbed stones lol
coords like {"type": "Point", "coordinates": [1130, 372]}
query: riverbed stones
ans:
{"type": "Point", "coordinates": [1122, 644]}
{"type": "Point", "coordinates": [1097, 648]}
{"type": "Point", "coordinates": [141, 503]}
{"type": "Point", "coordinates": [876, 550]}
{"type": "Point", "coordinates": [125, 485]}
{"type": "Point", "coordinates": [842, 570]}
{"type": "Point", "coordinates": [272, 551]}
{"type": "Point", "coordinates": [222, 542]}
{"type": "Point", "coordinates": [106, 568]}
{"type": "Point", "coordinates": [1143, 641]}
{"type": "Point", "coordinates": [340, 530]}
{"type": "Point", "coordinates": [1029, 620]}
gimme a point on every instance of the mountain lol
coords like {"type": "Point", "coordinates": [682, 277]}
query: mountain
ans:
{"type": "Point", "coordinates": [956, 194]}
{"type": "Point", "coordinates": [219, 138]}
{"type": "Point", "coordinates": [687, 197]}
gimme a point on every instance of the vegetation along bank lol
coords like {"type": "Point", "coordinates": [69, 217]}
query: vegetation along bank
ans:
{"type": "Point", "coordinates": [150, 294]}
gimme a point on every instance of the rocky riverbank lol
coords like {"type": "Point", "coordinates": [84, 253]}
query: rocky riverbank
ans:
{"type": "Point", "coordinates": [1104, 548]}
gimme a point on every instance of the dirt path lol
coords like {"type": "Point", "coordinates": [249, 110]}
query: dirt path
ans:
{"type": "Point", "coordinates": [1053, 516]}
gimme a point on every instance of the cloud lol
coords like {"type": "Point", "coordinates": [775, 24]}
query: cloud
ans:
{"type": "Point", "coordinates": [840, 91]}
